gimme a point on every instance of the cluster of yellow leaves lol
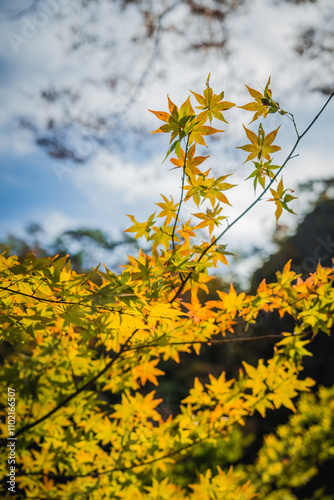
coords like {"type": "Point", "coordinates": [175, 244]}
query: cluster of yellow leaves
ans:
{"type": "Point", "coordinates": [87, 423]}
{"type": "Point", "coordinates": [290, 457]}
{"type": "Point", "coordinates": [223, 485]}
{"type": "Point", "coordinates": [83, 438]}
{"type": "Point", "coordinates": [185, 126]}
{"type": "Point", "coordinates": [178, 259]}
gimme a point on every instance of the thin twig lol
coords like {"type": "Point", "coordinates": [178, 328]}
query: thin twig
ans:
{"type": "Point", "coordinates": [213, 341]}
{"type": "Point", "coordinates": [39, 299]}
{"type": "Point", "coordinates": [292, 118]}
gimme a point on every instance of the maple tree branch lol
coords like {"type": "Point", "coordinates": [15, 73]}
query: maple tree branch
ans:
{"type": "Point", "coordinates": [155, 52]}
{"type": "Point", "coordinates": [317, 116]}
{"type": "Point", "coordinates": [39, 299]}
{"type": "Point", "coordinates": [64, 302]}
{"type": "Point", "coordinates": [25, 428]}
{"type": "Point", "coordinates": [115, 469]}
{"type": "Point", "coordinates": [215, 341]}
{"type": "Point", "coordinates": [259, 198]}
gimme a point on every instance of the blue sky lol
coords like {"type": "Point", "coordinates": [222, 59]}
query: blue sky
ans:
{"type": "Point", "coordinates": [35, 54]}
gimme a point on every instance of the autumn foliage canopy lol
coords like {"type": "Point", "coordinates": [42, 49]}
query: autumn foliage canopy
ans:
{"type": "Point", "coordinates": [84, 352]}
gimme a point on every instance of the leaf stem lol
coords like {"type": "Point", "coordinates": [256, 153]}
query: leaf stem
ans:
{"type": "Point", "coordinates": [182, 189]}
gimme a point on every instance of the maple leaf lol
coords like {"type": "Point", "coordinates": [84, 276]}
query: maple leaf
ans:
{"type": "Point", "coordinates": [162, 236]}
{"type": "Point", "coordinates": [141, 228]}
{"type": "Point", "coordinates": [199, 130]}
{"type": "Point", "coordinates": [44, 459]}
{"type": "Point", "coordinates": [218, 253]}
{"type": "Point", "coordinates": [263, 103]}
{"type": "Point", "coordinates": [178, 122]}
{"type": "Point", "coordinates": [285, 277]}
{"type": "Point", "coordinates": [168, 209]}
{"type": "Point", "coordinates": [210, 218]}
{"type": "Point", "coordinates": [190, 162]}
{"type": "Point", "coordinates": [208, 188]}
{"type": "Point", "coordinates": [261, 144]}
{"type": "Point", "coordinates": [281, 199]}
{"type": "Point", "coordinates": [211, 104]}
{"type": "Point", "coordinates": [186, 109]}
{"type": "Point", "coordinates": [219, 386]}
{"type": "Point", "coordinates": [259, 404]}
{"type": "Point", "coordinates": [197, 395]}
{"type": "Point", "coordinates": [217, 187]}
{"type": "Point", "coordinates": [186, 231]}
{"type": "Point", "coordinates": [230, 302]}
{"type": "Point", "coordinates": [198, 313]}
{"type": "Point", "coordinates": [147, 371]}
{"type": "Point", "coordinates": [170, 118]}
{"type": "Point", "coordinates": [294, 346]}
{"type": "Point", "coordinates": [137, 405]}
{"type": "Point", "coordinates": [262, 170]}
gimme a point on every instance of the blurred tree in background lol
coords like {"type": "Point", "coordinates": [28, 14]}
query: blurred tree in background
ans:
{"type": "Point", "coordinates": [133, 59]}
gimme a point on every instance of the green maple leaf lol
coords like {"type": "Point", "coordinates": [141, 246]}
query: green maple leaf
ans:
{"type": "Point", "coordinates": [262, 170]}
{"type": "Point", "coordinates": [281, 199]}
{"type": "Point", "coordinates": [261, 144]}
